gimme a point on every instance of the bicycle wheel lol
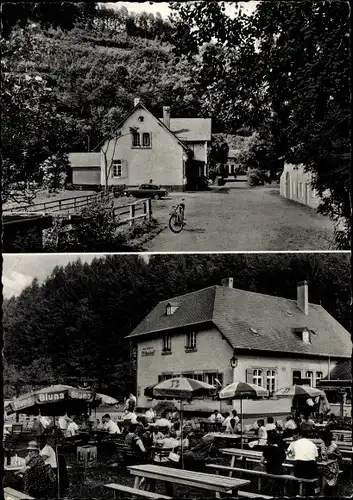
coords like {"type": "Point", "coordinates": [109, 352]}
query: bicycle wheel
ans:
{"type": "Point", "coordinates": [175, 224]}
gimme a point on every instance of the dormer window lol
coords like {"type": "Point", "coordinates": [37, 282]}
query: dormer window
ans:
{"type": "Point", "coordinates": [171, 308]}
{"type": "Point", "coordinates": [306, 336]}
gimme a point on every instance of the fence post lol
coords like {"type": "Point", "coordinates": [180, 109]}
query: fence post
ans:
{"type": "Point", "coordinates": [149, 209]}
{"type": "Point", "coordinates": [132, 215]}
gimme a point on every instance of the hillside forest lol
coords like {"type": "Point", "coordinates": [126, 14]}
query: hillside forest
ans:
{"type": "Point", "coordinates": [280, 75]}
{"type": "Point", "coordinates": [74, 324]}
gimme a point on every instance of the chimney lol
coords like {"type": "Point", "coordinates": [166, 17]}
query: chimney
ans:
{"type": "Point", "coordinates": [227, 282]}
{"type": "Point", "coordinates": [136, 101]}
{"type": "Point", "coordinates": [166, 116]}
{"type": "Point", "coordinates": [302, 297]}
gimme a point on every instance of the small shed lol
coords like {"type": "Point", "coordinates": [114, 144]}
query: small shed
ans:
{"type": "Point", "coordinates": [86, 169]}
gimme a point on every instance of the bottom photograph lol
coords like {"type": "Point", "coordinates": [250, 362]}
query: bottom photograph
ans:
{"type": "Point", "coordinates": [177, 376]}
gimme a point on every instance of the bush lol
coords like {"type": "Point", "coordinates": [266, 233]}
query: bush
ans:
{"type": "Point", "coordinates": [255, 177]}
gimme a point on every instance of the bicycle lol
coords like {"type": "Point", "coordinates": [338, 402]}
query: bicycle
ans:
{"type": "Point", "coordinates": [177, 217]}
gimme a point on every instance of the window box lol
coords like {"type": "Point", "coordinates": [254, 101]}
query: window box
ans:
{"type": "Point", "coordinates": [166, 352]}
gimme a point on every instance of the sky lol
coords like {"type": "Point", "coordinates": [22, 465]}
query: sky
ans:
{"type": "Point", "coordinates": [163, 8]}
{"type": "Point", "coordinates": [20, 269]}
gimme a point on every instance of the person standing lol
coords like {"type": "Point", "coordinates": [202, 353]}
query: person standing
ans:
{"type": "Point", "coordinates": [130, 404]}
{"type": "Point", "coordinates": [150, 415]}
{"type": "Point", "coordinates": [72, 428]}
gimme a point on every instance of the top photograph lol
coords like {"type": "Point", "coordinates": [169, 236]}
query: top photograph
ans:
{"type": "Point", "coordinates": [176, 127]}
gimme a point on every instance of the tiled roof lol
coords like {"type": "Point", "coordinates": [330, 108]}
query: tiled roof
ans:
{"type": "Point", "coordinates": [191, 129]}
{"type": "Point", "coordinates": [253, 321]}
{"type": "Point", "coordinates": [85, 159]}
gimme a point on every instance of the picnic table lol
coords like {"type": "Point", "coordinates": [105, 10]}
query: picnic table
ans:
{"type": "Point", "coordinates": [254, 455]}
{"type": "Point", "coordinates": [189, 478]}
{"type": "Point", "coordinates": [220, 435]}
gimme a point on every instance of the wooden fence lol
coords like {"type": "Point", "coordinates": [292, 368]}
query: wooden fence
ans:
{"type": "Point", "coordinates": [131, 210]}
{"type": "Point", "coordinates": [67, 204]}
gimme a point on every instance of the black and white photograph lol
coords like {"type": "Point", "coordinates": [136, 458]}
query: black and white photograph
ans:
{"type": "Point", "coordinates": [176, 250]}
{"type": "Point", "coordinates": [191, 126]}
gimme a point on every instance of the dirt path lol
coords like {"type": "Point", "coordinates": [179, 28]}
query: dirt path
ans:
{"type": "Point", "coordinates": [242, 219]}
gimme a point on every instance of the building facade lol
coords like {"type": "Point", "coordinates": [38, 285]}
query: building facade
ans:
{"type": "Point", "coordinates": [295, 184]}
{"type": "Point", "coordinates": [220, 334]}
{"type": "Point", "coordinates": [169, 151]}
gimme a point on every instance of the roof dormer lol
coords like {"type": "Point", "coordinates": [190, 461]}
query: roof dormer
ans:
{"type": "Point", "coordinates": [304, 334]}
{"type": "Point", "coordinates": [172, 307]}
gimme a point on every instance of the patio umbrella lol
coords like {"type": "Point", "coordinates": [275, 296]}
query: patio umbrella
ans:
{"type": "Point", "coordinates": [104, 399]}
{"type": "Point", "coordinates": [298, 390]}
{"type": "Point", "coordinates": [242, 390]}
{"type": "Point", "coordinates": [182, 388]}
{"type": "Point", "coordinates": [162, 406]}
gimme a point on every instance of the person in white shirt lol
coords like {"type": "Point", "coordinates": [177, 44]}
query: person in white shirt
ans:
{"type": "Point", "coordinates": [290, 424]}
{"type": "Point", "coordinates": [48, 453]}
{"type": "Point", "coordinates": [63, 422]}
{"type": "Point", "coordinates": [163, 422]}
{"type": "Point", "coordinates": [261, 435]}
{"type": "Point", "coordinates": [229, 417]}
{"type": "Point", "coordinates": [150, 415]}
{"type": "Point", "coordinates": [305, 454]}
{"type": "Point", "coordinates": [270, 424]}
{"type": "Point", "coordinates": [130, 404]}
{"type": "Point", "coordinates": [45, 421]}
{"type": "Point", "coordinates": [129, 415]}
{"type": "Point", "coordinates": [226, 419]}
{"type": "Point", "coordinates": [216, 417]}
{"type": "Point", "coordinates": [109, 425]}
{"type": "Point", "coordinates": [72, 428]}
{"type": "Point", "coordinates": [232, 427]}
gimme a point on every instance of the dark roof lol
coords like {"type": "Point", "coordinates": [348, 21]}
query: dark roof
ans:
{"type": "Point", "coordinates": [191, 129]}
{"type": "Point", "coordinates": [85, 160]}
{"type": "Point", "coordinates": [342, 371]}
{"type": "Point", "coordinates": [255, 321]}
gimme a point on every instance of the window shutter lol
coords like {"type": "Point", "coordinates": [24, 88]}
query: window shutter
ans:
{"type": "Point", "coordinates": [249, 375]}
{"type": "Point", "coordinates": [123, 169]}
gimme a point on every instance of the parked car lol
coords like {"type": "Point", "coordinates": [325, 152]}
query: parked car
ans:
{"type": "Point", "coordinates": [147, 191]}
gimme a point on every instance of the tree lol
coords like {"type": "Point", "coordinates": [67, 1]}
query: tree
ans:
{"type": "Point", "coordinates": [218, 158]}
{"type": "Point", "coordinates": [33, 131]}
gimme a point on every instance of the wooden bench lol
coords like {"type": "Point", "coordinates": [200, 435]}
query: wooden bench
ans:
{"type": "Point", "coordinates": [262, 474]}
{"type": "Point", "coordinates": [11, 494]}
{"type": "Point", "coordinates": [134, 492]}
{"type": "Point", "coordinates": [250, 494]}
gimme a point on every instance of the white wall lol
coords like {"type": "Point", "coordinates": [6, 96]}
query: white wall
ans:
{"type": "Point", "coordinates": [295, 184]}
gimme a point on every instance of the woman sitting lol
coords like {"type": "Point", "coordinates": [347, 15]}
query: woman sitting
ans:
{"type": "Point", "coordinates": [232, 427]}
{"type": "Point", "coordinates": [261, 436]}
{"type": "Point", "coordinates": [168, 443]}
{"type": "Point", "coordinates": [39, 479]}
{"type": "Point", "coordinates": [330, 451]}
{"type": "Point", "coordinates": [196, 458]}
{"type": "Point", "coordinates": [136, 449]}
{"type": "Point", "coordinates": [273, 455]}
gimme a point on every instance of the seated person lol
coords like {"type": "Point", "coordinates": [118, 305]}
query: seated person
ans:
{"type": "Point", "coordinates": [150, 415]}
{"type": "Point", "coordinates": [141, 420]}
{"type": "Point", "coordinates": [134, 443]}
{"type": "Point", "coordinates": [270, 424]}
{"type": "Point", "coordinates": [307, 424]}
{"type": "Point", "coordinates": [48, 453]}
{"type": "Point", "coordinates": [273, 455]}
{"type": "Point", "coordinates": [156, 434]}
{"type": "Point", "coordinates": [305, 454]}
{"type": "Point", "coordinates": [196, 457]}
{"type": "Point", "coordinates": [168, 442]}
{"type": "Point", "coordinates": [39, 479]}
{"type": "Point", "coordinates": [232, 427]}
{"type": "Point", "coordinates": [261, 435]}
{"type": "Point", "coordinates": [289, 427]}
{"type": "Point", "coordinates": [163, 422]}
{"type": "Point", "coordinates": [226, 420]}
{"type": "Point", "coordinates": [216, 417]}
{"type": "Point", "coordinates": [72, 428]}
{"type": "Point", "coordinates": [109, 425]}
{"type": "Point", "coordinates": [129, 415]}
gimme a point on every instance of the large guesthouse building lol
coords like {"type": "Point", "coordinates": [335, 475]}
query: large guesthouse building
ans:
{"type": "Point", "coordinates": [221, 334]}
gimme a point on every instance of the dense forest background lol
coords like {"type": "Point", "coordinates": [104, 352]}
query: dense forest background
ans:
{"type": "Point", "coordinates": [70, 72]}
{"type": "Point", "coordinates": [74, 324]}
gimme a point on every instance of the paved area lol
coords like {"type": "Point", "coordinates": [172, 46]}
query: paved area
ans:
{"type": "Point", "coordinates": [239, 218]}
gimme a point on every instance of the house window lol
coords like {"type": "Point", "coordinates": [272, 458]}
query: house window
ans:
{"type": "Point", "coordinates": [146, 140]}
{"type": "Point", "coordinates": [136, 140]}
{"type": "Point", "coordinates": [318, 376]}
{"type": "Point", "coordinates": [167, 343]}
{"type": "Point", "coordinates": [310, 376]}
{"type": "Point", "coordinates": [117, 168]}
{"type": "Point", "coordinates": [271, 380]}
{"type": "Point", "coordinates": [191, 340]}
{"type": "Point", "coordinates": [306, 337]}
{"type": "Point", "coordinates": [297, 376]}
{"type": "Point", "coordinates": [257, 377]}
{"type": "Point", "coordinates": [210, 378]}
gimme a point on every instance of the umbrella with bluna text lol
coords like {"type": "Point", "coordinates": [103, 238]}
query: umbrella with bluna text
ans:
{"type": "Point", "coordinates": [242, 390]}
{"type": "Point", "coordinates": [182, 388]}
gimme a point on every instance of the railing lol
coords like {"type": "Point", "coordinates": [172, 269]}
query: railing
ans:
{"type": "Point", "coordinates": [130, 209]}
{"type": "Point", "coordinates": [66, 204]}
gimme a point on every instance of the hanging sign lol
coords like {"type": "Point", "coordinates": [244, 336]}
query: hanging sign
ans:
{"type": "Point", "coordinates": [148, 351]}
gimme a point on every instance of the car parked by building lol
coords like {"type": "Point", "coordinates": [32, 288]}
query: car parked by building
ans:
{"type": "Point", "coordinates": [147, 191]}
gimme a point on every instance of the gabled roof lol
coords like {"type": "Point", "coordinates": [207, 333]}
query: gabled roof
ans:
{"type": "Point", "coordinates": [252, 321]}
{"type": "Point", "coordinates": [191, 129]}
{"type": "Point", "coordinates": [140, 105]}
{"type": "Point", "coordinates": [85, 159]}
{"type": "Point", "coordinates": [342, 371]}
